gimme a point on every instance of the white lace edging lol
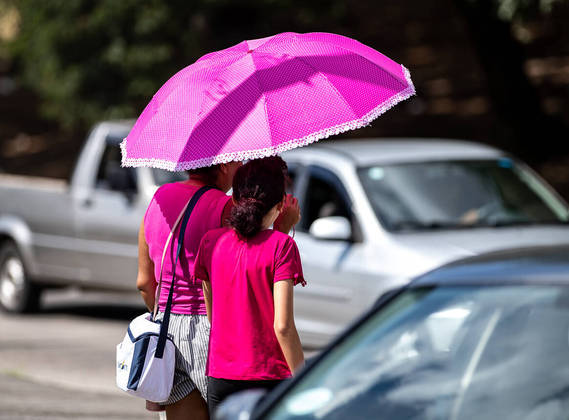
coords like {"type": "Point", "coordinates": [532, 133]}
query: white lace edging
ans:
{"type": "Point", "coordinates": [275, 150]}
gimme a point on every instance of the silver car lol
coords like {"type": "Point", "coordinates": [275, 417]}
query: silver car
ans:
{"type": "Point", "coordinates": [376, 213]}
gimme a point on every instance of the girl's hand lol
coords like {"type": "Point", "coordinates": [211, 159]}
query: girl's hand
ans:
{"type": "Point", "coordinates": [289, 216]}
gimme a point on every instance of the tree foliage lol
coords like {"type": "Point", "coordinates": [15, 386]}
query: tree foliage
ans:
{"type": "Point", "coordinates": [522, 9]}
{"type": "Point", "coordinates": [92, 59]}
{"type": "Point", "coordinates": [95, 59]}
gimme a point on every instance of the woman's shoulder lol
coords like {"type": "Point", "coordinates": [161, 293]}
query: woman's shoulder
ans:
{"type": "Point", "coordinates": [218, 197]}
{"type": "Point", "coordinates": [214, 234]}
{"type": "Point", "coordinates": [182, 189]}
{"type": "Point", "coordinates": [169, 188]}
{"type": "Point", "coordinates": [214, 194]}
{"type": "Point", "coordinates": [167, 195]}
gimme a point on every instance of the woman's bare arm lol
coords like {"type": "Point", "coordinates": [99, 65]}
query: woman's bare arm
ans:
{"type": "Point", "coordinates": [145, 281]}
{"type": "Point", "coordinates": [285, 328]}
{"type": "Point", "coordinates": [206, 286]}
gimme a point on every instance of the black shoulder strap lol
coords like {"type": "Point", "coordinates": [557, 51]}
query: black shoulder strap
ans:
{"type": "Point", "coordinates": [166, 320]}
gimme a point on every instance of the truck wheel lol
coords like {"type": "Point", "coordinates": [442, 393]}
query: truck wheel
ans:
{"type": "Point", "coordinates": [17, 293]}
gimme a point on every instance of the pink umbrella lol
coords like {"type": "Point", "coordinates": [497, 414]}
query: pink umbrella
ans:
{"type": "Point", "coordinates": [262, 97]}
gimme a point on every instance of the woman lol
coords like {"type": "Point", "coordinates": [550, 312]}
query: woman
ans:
{"type": "Point", "coordinates": [248, 272]}
{"type": "Point", "coordinates": [188, 327]}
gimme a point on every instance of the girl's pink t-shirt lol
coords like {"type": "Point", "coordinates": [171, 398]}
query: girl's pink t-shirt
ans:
{"type": "Point", "coordinates": [243, 344]}
{"type": "Point", "coordinates": [162, 213]}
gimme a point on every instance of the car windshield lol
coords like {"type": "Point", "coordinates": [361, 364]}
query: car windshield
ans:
{"type": "Point", "coordinates": [459, 194]}
{"type": "Point", "coordinates": [495, 352]}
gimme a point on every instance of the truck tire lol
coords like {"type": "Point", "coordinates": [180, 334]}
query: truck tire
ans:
{"type": "Point", "coordinates": [17, 293]}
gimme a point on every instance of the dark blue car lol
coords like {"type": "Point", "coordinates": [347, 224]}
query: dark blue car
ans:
{"type": "Point", "coordinates": [481, 338]}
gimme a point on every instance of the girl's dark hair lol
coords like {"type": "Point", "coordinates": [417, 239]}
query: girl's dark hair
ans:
{"type": "Point", "coordinates": [257, 187]}
{"type": "Point", "coordinates": [208, 174]}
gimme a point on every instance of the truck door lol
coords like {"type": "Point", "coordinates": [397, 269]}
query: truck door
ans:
{"type": "Point", "coordinates": [108, 221]}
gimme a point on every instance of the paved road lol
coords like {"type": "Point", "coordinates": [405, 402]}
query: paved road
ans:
{"type": "Point", "coordinates": [27, 399]}
{"type": "Point", "coordinates": [59, 364]}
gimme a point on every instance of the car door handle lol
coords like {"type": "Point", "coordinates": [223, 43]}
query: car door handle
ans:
{"type": "Point", "coordinates": [88, 203]}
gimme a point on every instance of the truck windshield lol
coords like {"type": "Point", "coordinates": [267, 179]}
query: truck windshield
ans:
{"type": "Point", "coordinates": [459, 194]}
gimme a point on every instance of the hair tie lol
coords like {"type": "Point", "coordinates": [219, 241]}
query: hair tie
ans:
{"type": "Point", "coordinates": [248, 200]}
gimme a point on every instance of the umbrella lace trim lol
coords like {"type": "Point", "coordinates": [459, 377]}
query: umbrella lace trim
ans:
{"type": "Point", "coordinates": [272, 151]}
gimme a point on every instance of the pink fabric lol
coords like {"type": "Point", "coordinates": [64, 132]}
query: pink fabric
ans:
{"type": "Point", "coordinates": [262, 97]}
{"type": "Point", "coordinates": [243, 344]}
{"type": "Point", "coordinates": [161, 215]}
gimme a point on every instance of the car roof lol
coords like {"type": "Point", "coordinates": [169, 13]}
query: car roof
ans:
{"type": "Point", "coordinates": [366, 152]}
{"type": "Point", "coordinates": [536, 265]}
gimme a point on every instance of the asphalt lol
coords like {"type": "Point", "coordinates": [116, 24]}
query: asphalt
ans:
{"type": "Point", "coordinates": [26, 399]}
{"type": "Point", "coordinates": [59, 363]}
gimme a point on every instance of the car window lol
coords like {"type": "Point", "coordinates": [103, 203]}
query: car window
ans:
{"type": "Point", "coordinates": [325, 196]}
{"type": "Point", "coordinates": [499, 352]}
{"type": "Point", "coordinates": [292, 178]}
{"type": "Point", "coordinates": [110, 175]}
{"type": "Point", "coordinates": [427, 195]}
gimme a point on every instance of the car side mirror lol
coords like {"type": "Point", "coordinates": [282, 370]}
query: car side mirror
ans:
{"type": "Point", "coordinates": [331, 228]}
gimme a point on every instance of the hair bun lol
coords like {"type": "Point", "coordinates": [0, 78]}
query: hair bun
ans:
{"type": "Point", "coordinates": [247, 216]}
{"type": "Point", "coordinates": [257, 187]}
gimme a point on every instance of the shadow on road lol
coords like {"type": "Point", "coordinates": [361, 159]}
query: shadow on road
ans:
{"type": "Point", "coordinates": [99, 305]}
{"type": "Point", "coordinates": [99, 311]}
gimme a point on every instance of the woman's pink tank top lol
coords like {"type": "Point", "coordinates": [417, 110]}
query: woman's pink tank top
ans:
{"type": "Point", "coordinates": [162, 213]}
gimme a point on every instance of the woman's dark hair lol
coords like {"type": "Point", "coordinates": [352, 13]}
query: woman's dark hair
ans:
{"type": "Point", "coordinates": [208, 174]}
{"type": "Point", "coordinates": [257, 187]}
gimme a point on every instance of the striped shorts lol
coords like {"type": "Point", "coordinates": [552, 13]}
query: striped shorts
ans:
{"type": "Point", "coordinates": [190, 334]}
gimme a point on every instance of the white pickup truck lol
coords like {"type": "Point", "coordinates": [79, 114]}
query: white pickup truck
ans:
{"type": "Point", "coordinates": [83, 232]}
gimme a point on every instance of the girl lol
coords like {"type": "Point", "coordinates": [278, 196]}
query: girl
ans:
{"type": "Point", "coordinates": [247, 272]}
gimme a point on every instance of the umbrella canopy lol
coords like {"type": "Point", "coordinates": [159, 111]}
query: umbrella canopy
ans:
{"type": "Point", "coordinates": [263, 97]}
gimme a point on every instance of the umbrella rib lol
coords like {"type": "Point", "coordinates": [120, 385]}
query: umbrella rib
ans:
{"type": "Point", "coordinates": [262, 95]}
{"type": "Point", "coordinates": [271, 41]}
{"type": "Point", "coordinates": [215, 79]}
{"type": "Point", "coordinates": [365, 58]}
{"type": "Point", "coordinates": [316, 71]}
